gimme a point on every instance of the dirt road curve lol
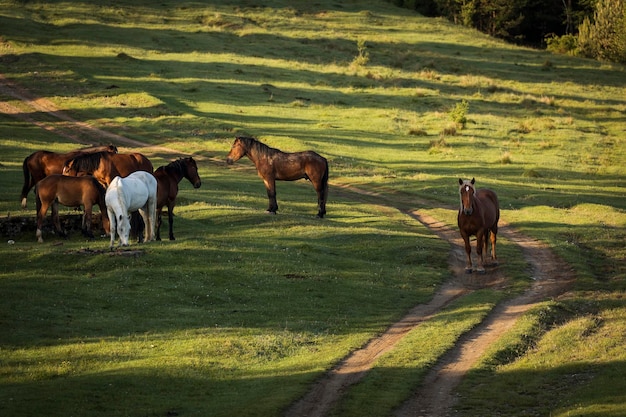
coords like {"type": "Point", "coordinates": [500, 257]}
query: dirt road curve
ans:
{"type": "Point", "coordinates": [436, 397]}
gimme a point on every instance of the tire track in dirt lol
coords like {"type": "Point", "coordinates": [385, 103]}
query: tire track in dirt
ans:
{"type": "Point", "coordinates": [435, 397]}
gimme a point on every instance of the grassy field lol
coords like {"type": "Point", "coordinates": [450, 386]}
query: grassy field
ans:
{"type": "Point", "coordinates": [244, 310]}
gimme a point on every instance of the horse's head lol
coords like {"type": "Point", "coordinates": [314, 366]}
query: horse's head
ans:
{"type": "Point", "coordinates": [69, 168]}
{"type": "Point", "coordinates": [237, 151]}
{"type": "Point", "coordinates": [466, 191]}
{"type": "Point", "coordinates": [191, 172]}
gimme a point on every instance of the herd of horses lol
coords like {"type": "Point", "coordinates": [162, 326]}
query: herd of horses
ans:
{"type": "Point", "coordinates": [121, 184]}
{"type": "Point", "coordinates": [91, 176]}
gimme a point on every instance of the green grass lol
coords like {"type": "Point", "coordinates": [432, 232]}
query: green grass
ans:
{"type": "Point", "coordinates": [243, 311]}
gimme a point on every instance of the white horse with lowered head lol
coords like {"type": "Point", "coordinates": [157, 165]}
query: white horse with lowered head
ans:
{"type": "Point", "coordinates": [138, 191]}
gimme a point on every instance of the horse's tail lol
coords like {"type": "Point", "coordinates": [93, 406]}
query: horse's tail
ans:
{"type": "Point", "coordinates": [28, 181]}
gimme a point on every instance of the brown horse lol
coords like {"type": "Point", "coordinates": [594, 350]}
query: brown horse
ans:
{"type": "Point", "coordinates": [58, 189]}
{"type": "Point", "coordinates": [105, 166]}
{"type": "Point", "coordinates": [273, 164]}
{"type": "Point", "coordinates": [478, 215]}
{"type": "Point", "coordinates": [168, 178]}
{"type": "Point", "coordinates": [40, 164]}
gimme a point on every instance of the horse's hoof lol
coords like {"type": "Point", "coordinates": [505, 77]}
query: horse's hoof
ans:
{"type": "Point", "coordinates": [468, 270]}
{"type": "Point", "coordinates": [481, 271]}
{"type": "Point", "coordinates": [270, 212]}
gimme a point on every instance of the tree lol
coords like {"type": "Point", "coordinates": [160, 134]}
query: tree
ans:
{"type": "Point", "coordinates": [605, 37]}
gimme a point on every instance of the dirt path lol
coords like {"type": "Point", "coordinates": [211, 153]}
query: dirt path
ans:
{"type": "Point", "coordinates": [436, 397]}
{"type": "Point", "coordinates": [62, 124]}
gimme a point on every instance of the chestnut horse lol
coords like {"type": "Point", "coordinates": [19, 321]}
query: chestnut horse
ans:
{"type": "Point", "coordinates": [105, 166]}
{"type": "Point", "coordinates": [478, 215]}
{"type": "Point", "coordinates": [40, 164]}
{"type": "Point", "coordinates": [168, 178]}
{"type": "Point", "coordinates": [58, 189]}
{"type": "Point", "coordinates": [273, 164]}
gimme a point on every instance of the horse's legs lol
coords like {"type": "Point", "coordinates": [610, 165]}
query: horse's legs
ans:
{"type": "Point", "coordinates": [42, 209]}
{"type": "Point", "coordinates": [148, 214]}
{"type": "Point", "coordinates": [481, 243]}
{"type": "Point", "coordinates": [493, 237]}
{"type": "Point", "coordinates": [112, 226]}
{"type": "Point", "coordinates": [270, 186]}
{"type": "Point", "coordinates": [158, 223]}
{"type": "Point", "coordinates": [87, 220]}
{"type": "Point", "coordinates": [468, 253]}
{"type": "Point", "coordinates": [170, 219]}
{"type": "Point", "coordinates": [143, 212]}
{"type": "Point", "coordinates": [322, 192]}
{"type": "Point", "coordinates": [55, 219]}
{"type": "Point", "coordinates": [151, 216]}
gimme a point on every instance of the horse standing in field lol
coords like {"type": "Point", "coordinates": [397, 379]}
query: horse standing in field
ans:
{"type": "Point", "coordinates": [273, 164]}
{"type": "Point", "coordinates": [137, 191]}
{"type": "Point", "coordinates": [168, 177]}
{"type": "Point", "coordinates": [58, 189]}
{"type": "Point", "coordinates": [478, 215]}
{"type": "Point", "coordinates": [105, 166]}
{"type": "Point", "coordinates": [40, 164]}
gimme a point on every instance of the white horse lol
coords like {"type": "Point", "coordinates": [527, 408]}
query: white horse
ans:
{"type": "Point", "coordinates": [138, 191]}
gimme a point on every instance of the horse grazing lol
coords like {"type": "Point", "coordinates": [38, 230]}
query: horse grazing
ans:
{"type": "Point", "coordinates": [478, 215]}
{"type": "Point", "coordinates": [58, 189]}
{"type": "Point", "coordinates": [137, 191]}
{"type": "Point", "coordinates": [273, 164]}
{"type": "Point", "coordinates": [168, 178]}
{"type": "Point", "coordinates": [40, 164]}
{"type": "Point", "coordinates": [105, 166]}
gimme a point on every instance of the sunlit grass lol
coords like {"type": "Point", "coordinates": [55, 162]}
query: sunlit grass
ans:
{"type": "Point", "coordinates": [288, 293]}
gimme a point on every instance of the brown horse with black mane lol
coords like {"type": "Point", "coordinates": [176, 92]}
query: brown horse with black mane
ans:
{"type": "Point", "coordinates": [40, 164]}
{"type": "Point", "coordinates": [58, 189]}
{"type": "Point", "coordinates": [478, 215]}
{"type": "Point", "coordinates": [105, 166]}
{"type": "Point", "coordinates": [273, 164]}
{"type": "Point", "coordinates": [168, 178]}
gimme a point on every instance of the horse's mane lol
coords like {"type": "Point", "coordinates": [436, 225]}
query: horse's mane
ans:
{"type": "Point", "coordinates": [88, 162]}
{"type": "Point", "coordinates": [259, 147]}
{"type": "Point", "coordinates": [177, 166]}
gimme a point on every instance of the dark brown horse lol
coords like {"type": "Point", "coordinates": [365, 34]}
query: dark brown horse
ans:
{"type": "Point", "coordinates": [479, 214]}
{"type": "Point", "coordinates": [58, 189]}
{"type": "Point", "coordinates": [168, 178]}
{"type": "Point", "coordinates": [273, 164]}
{"type": "Point", "coordinates": [105, 166]}
{"type": "Point", "coordinates": [40, 164]}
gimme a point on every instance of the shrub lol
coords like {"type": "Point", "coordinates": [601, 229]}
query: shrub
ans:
{"type": "Point", "coordinates": [566, 44]}
{"type": "Point", "coordinates": [363, 56]}
{"type": "Point", "coordinates": [459, 113]}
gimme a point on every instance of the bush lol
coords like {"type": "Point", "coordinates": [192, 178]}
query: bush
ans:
{"type": "Point", "coordinates": [566, 44]}
{"type": "Point", "coordinates": [459, 113]}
